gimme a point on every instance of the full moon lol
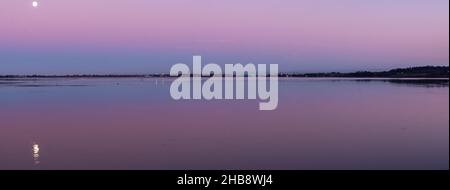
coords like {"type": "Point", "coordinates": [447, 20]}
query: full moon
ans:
{"type": "Point", "coordinates": [35, 3]}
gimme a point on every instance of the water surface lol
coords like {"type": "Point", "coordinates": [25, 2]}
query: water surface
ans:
{"type": "Point", "coordinates": [134, 124]}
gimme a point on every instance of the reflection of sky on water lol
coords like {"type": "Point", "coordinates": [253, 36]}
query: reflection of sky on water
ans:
{"type": "Point", "coordinates": [319, 124]}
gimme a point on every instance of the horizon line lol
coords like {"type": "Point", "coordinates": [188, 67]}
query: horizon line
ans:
{"type": "Point", "coordinates": [282, 74]}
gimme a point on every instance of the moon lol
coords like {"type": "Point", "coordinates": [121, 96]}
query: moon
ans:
{"type": "Point", "coordinates": [35, 3]}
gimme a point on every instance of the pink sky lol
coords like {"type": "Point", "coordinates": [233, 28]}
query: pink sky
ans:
{"type": "Point", "coordinates": [300, 35]}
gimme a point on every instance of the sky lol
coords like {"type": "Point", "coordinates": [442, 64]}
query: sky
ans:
{"type": "Point", "coordinates": [143, 36]}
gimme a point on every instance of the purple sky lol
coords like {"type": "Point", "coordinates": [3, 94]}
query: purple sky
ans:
{"type": "Point", "coordinates": [143, 36]}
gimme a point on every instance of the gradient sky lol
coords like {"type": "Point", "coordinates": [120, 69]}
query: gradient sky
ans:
{"type": "Point", "coordinates": [143, 36]}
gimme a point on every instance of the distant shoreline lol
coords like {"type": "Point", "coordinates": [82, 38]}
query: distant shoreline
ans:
{"type": "Point", "coordinates": [438, 72]}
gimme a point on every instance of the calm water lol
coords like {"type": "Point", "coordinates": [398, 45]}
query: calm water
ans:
{"type": "Point", "coordinates": [134, 124]}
